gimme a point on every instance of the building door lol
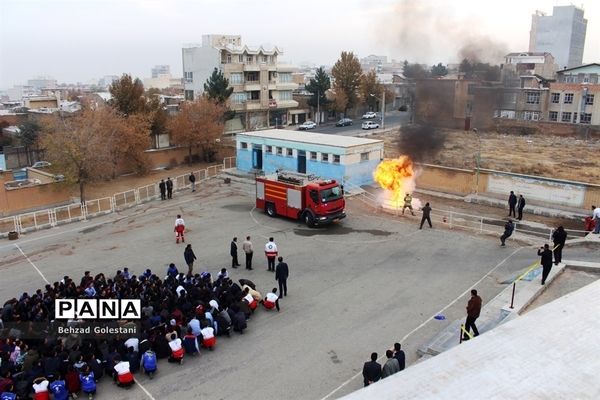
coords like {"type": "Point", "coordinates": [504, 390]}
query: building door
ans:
{"type": "Point", "coordinates": [257, 161]}
{"type": "Point", "coordinates": [301, 161]}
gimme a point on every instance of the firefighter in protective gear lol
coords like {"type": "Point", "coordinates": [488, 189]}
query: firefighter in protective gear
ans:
{"type": "Point", "coordinates": [408, 204]}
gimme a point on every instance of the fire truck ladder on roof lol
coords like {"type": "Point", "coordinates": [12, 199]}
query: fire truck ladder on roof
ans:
{"type": "Point", "coordinates": [295, 178]}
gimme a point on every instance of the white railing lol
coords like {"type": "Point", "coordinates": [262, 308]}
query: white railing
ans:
{"type": "Point", "coordinates": [51, 217]}
{"type": "Point", "coordinates": [477, 223]}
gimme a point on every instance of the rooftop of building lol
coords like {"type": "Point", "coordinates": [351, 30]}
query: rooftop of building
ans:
{"type": "Point", "coordinates": [528, 54]}
{"type": "Point", "coordinates": [579, 67]}
{"type": "Point", "coordinates": [310, 137]}
{"type": "Point", "coordinates": [548, 353]}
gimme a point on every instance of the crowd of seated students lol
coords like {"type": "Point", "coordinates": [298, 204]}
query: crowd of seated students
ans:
{"type": "Point", "coordinates": [180, 315]}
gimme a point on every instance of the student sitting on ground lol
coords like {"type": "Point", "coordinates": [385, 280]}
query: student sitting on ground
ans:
{"type": "Point", "coordinates": [148, 363]}
{"type": "Point", "coordinates": [177, 351]}
{"type": "Point", "coordinates": [271, 300]}
{"type": "Point", "coordinates": [123, 375]}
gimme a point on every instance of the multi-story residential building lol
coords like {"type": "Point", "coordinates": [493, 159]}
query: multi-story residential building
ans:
{"type": "Point", "coordinates": [262, 88]}
{"type": "Point", "coordinates": [42, 82]}
{"type": "Point", "coordinates": [158, 70]}
{"type": "Point", "coordinates": [519, 67]}
{"type": "Point", "coordinates": [575, 96]}
{"type": "Point", "coordinates": [562, 34]}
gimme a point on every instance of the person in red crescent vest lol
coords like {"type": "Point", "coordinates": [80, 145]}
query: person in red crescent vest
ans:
{"type": "Point", "coordinates": [271, 253]}
{"type": "Point", "coordinates": [123, 375]}
{"type": "Point", "coordinates": [179, 229]}
{"type": "Point", "coordinates": [248, 298]}
{"type": "Point", "coordinates": [40, 387]}
{"type": "Point", "coordinates": [271, 300]}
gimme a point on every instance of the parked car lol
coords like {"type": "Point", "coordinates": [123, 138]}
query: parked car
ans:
{"type": "Point", "coordinates": [307, 125]}
{"type": "Point", "coordinates": [344, 122]}
{"type": "Point", "coordinates": [41, 164]}
{"type": "Point", "coordinates": [370, 125]}
{"type": "Point", "coordinates": [369, 115]}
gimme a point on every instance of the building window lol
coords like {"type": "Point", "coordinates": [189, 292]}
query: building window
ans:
{"type": "Point", "coordinates": [555, 98]}
{"type": "Point", "coordinates": [269, 149]}
{"type": "Point", "coordinates": [188, 77]}
{"type": "Point", "coordinates": [533, 97]}
{"type": "Point", "coordinates": [364, 157]}
{"type": "Point", "coordinates": [586, 118]}
{"type": "Point", "coordinates": [336, 158]}
{"type": "Point", "coordinates": [285, 77]}
{"type": "Point", "coordinates": [589, 100]}
{"type": "Point", "coordinates": [313, 155]}
{"type": "Point", "coordinates": [285, 95]}
{"type": "Point", "coordinates": [325, 157]}
{"type": "Point", "coordinates": [236, 78]}
{"type": "Point", "coordinates": [189, 95]}
{"type": "Point", "coordinates": [531, 115]}
{"type": "Point", "coordinates": [279, 151]}
{"type": "Point", "coordinates": [238, 98]}
{"type": "Point", "coordinates": [244, 145]}
{"type": "Point", "coordinates": [574, 117]}
{"type": "Point", "coordinates": [565, 117]}
{"type": "Point", "coordinates": [553, 116]}
{"type": "Point", "coordinates": [249, 59]}
{"type": "Point", "coordinates": [290, 152]}
{"type": "Point", "coordinates": [240, 58]}
{"type": "Point", "coordinates": [568, 98]}
{"type": "Point", "coordinates": [265, 59]}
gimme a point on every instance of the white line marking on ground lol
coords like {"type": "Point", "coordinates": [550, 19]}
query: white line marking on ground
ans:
{"type": "Point", "coordinates": [428, 320]}
{"type": "Point", "coordinates": [144, 390]}
{"type": "Point", "coordinates": [32, 264]}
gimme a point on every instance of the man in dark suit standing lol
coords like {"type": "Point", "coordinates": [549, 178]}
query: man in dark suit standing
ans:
{"type": "Point", "coordinates": [546, 261]}
{"type": "Point", "coordinates": [521, 206]}
{"type": "Point", "coordinates": [234, 253]}
{"type": "Point", "coordinates": [512, 203]}
{"type": "Point", "coordinates": [399, 355]}
{"type": "Point", "coordinates": [371, 370]}
{"type": "Point", "coordinates": [281, 274]}
{"type": "Point", "coordinates": [169, 188]}
{"type": "Point", "coordinates": [163, 189]}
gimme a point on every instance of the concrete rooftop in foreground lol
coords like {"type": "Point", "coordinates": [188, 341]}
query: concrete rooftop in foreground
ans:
{"type": "Point", "coordinates": [548, 353]}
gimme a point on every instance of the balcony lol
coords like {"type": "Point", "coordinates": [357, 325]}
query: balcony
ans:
{"type": "Point", "coordinates": [252, 67]}
{"type": "Point", "coordinates": [251, 86]}
{"type": "Point", "coordinates": [287, 103]}
{"type": "Point", "coordinates": [287, 86]}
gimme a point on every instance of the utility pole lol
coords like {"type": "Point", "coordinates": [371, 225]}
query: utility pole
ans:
{"type": "Point", "coordinates": [383, 109]}
{"type": "Point", "coordinates": [318, 108]}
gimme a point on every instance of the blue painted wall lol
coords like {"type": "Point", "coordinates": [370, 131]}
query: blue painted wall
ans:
{"type": "Point", "coordinates": [361, 173]}
{"type": "Point", "coordinates": [244, 159]}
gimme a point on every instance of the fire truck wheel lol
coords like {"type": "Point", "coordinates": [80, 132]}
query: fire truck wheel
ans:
{"type": "Point", "coordinates": [270, 209]}
{"type": "Point", "coordinates": [309, 220]}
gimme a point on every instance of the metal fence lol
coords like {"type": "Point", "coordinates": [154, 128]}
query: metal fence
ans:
{"type": "Point", "coordinates": [477, 223]}
{"type": "Point", "coordinates": [48, 218]}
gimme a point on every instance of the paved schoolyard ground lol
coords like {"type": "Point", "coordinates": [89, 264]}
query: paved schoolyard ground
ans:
{"type": "Point", "coordinates": [354, 288]}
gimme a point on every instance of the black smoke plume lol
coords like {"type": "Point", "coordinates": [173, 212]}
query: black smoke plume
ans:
{"type": "Point", "coordinates": [420, 142]}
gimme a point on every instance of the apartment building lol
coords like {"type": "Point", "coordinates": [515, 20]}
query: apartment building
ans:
{"type": "Point", "coordinates": [575, 96]}
{"type": "Point", "coordinates": [519, 66]}
{"type": "Point", "coordinates": [262, 88]}
{"type": "Point", "coordinates": [562, 34]}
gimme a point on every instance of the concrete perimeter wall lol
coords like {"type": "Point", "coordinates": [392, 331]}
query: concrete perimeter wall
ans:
{"type": "Point", "coordinates": [463, 181]}
{"type": "Point", "coordinates": [37, 196]}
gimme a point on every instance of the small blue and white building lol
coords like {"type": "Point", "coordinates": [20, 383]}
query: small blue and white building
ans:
{"type": "Point", "coordinates": [346, 159]}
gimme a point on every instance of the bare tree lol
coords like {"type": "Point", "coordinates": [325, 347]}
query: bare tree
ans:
{"type": "Point", "coordinates": [78, 148]}
{"type": "Point", "coordinates": [198, 124]}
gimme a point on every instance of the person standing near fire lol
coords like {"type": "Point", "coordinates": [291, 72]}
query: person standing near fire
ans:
{"type": "Point", "coordinates": [512, 204]}
{"type": "Point", "coordinates": [521, 206]}
{"type": "Point", "coordinates": [408, 204]}
{"type": "Point", "coordinates": [179, 229]}
{"type": "Point", "coordinates": [426, 216]}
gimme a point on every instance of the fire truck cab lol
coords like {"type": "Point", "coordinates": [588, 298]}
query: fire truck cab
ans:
{"type": "Point", "coordinates": [300, 196]}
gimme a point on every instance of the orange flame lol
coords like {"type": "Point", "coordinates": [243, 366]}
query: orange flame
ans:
{"type": "Point", "coordinates": [397, 176]}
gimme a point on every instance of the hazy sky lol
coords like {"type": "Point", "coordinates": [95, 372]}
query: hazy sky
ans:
{"type": "Point", "coordinates": [79, 40]}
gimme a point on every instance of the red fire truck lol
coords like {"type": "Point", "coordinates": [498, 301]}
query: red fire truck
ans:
{"type": "Point", "coordinates": [300, 196]}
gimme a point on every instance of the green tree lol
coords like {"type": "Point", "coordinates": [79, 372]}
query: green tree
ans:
{"type": "Point", "coordinates": [414, 71]}
{"type": "Point", "coordinates": [217, 87]}
{"type": "Point", "coordinates": [480, 71]}
{"type": "Point", "coordinates": [29, 132]}
{"type": "Point", "coordinates": [128, 96]}
{"type": "Point", "coordinates": [318, 86]}
{"type": "Point", "coordinates": [346, 73]}
{"type": "Point", "coordinates": [439, 70]}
